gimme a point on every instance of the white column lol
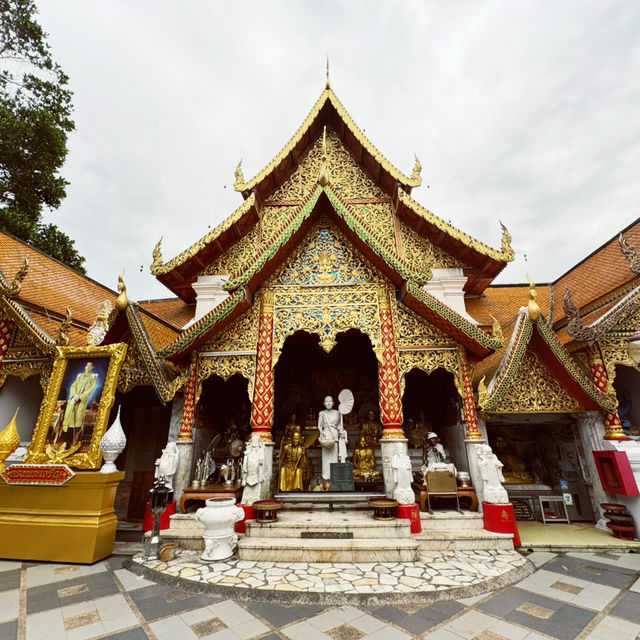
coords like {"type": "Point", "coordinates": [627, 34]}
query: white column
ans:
{"type": "Point", "coordinates": [209, 294]}
{"type": "Point", "coordinates": [182, 479]}
{"type": "Point", "coordinates": [388, 449]}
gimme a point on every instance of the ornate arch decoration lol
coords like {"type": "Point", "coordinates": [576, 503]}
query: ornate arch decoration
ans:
{"type": "Point", "coordinates": [428, 360]}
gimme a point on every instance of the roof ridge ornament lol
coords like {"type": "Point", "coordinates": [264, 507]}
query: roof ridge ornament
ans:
{"type": "Point", "coordinates": [14, 288]}
{"type": "Point", "coordinates": [417, 168]}
{"type": "Point", "coordinates": [328, 82]}
{"type": "Point", "coordinates": [534, 309]}
{"type": "Point", "coordinates": [122, 302]}
{"type": "Point", "coordinates": [496, 331]}
{"type": "Point", "coordinates": [63, 331]}
{"type": "Point", "coordinates": [505, 245]}
{"type": "Point", "coordinates": [325, 177]}
{"type": "Point", "coordinates": [157, 256]}
{"type": "Point", "coordinates": [239, 183]}
{"type": "Point", "coordinates": [630, 253]}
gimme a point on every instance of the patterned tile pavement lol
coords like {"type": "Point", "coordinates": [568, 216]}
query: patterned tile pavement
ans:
{"type": "Point", "coordinates": [582, 596]}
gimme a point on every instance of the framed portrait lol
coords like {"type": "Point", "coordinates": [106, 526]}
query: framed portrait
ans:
{"type": "Point", "coordinates": [75, 409]}
{"type": "Point", "coordinates": [616, 475]}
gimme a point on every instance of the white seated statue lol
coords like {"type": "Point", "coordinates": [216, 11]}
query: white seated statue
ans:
{"type": "Point", "coordinates": [333, 437]}
{"type": "Point", "coordinates": [402, 477]}
{"type": "Point", "coordinates": [253, 470]}
{"type": "Point", "coordinates": [167, 463]}
{"type": "Point", "coordinates": [491, 473]}
{"type": "Point", "coordinates": [434, 456]}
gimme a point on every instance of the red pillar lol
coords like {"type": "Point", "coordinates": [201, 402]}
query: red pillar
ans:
{"type": "Point", "coordinates": [469, 404]}
{"type": "Point", "coordinates": [189, 409]}
{"type": "Point", "coordinates": [262, 406]}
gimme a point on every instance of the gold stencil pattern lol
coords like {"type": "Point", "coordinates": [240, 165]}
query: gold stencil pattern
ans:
{"type": "Point", "coordinates": [227, 366]}
{"type": "Point", "coordinates": [414, 331]}
{"type": "Point", "coordinates": [237, 258]}
{"type": "Point", "coordinates": [428, 360]}
{"type": "Point", "coordinates": [422, 255]}
{"type": "Point", "coordinates": [535, 390]}
{"type": "Point", "coordinates": [240, 335]}
{"type": "Point", "coordinates": [133, 372]}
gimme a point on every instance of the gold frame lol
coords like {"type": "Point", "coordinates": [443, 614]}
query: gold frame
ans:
{"type": "Point", "coordinates": [39, 451]}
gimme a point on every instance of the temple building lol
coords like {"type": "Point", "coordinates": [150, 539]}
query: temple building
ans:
{"type": "Point", "coordinates": [330, 276]}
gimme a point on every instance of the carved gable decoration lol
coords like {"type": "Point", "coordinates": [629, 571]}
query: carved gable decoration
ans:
{"type": "Point", "coordinates": [325, 257]}
{"type": "Point", "coordinates": [416, 333]}
{"type": "Point", "coordinates": [133, 372]}
{"type": "Point", "coordinates": [535, 390]}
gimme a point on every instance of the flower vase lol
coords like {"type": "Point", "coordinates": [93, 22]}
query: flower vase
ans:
{"type": "Point", "coordinates": [219, 517]}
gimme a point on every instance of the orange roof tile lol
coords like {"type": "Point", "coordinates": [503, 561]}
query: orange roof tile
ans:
{"type": "Point", "coordinates": [50, 285]}
{"type": "Point", "coordinates": [174, 311]}
{"type": "Point", "coordinates": [505, 301]}
{"type": "Point", "coordinates": [77, 336]}
{"type": "Point", "coordinates": [598, 275]}
{"type": "Point", "coordinates": [160, 334]}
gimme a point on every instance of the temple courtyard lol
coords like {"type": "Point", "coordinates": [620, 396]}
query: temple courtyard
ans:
{"type": "Point", "coordinates": [584, 595]}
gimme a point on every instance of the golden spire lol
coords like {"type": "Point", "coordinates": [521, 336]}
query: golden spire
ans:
{"type": "Point", "coordinates": [328, 83]}
{"type": "Point", "coordinates": [497, 329]}
{"type": "Point", "coordinates": [157, 255]}
{"type": "Point", "coordinates": [237, 185]}
{"type": "Point", "coordinates": [122, 301]}
{"type": "Point", "coordinates": [534, 309]}
{"type": "Point", "coordinates": [325, 177]}
{"type": "Point", "coordinates": [9, 440]}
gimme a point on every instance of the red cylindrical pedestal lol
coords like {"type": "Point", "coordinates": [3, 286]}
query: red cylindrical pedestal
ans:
{"type": "Point", "coordinates": [240, 527]}
{"type": "Point", "coordinates": [500, 518]}
{"type": "Point", "coordinates": [147, 523]}
{"type": "Point", "coordinates": [410, 512]}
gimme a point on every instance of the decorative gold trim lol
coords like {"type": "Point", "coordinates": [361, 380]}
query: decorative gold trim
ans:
{"type": "Point", "coordinates": [91, 459]}
{"type": "Point", "coordinates": [14, 288]}
{"type": "Point", "coordinates": [329, 96]}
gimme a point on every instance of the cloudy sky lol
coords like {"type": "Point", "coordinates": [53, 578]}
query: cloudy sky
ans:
{"type": "Point", "coordinates": [525, 112]}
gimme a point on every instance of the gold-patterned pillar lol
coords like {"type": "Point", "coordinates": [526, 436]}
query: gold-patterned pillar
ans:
{"type": "Point", "coordinates": [612, 425]}
{"type": "Point", "coordinates": [262, 405]}
{"type": "Point", "coordinates": [469, 405]}
{"type": "Point", "coordinates": [388, 374]}
{"type": "Point", "coordinates": [190, 401]}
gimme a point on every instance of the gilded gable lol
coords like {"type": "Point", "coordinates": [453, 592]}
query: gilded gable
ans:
{"type": "Point", "coordinates": [415, 332]}
{"type": "Point", "coordinates": [421, 255]}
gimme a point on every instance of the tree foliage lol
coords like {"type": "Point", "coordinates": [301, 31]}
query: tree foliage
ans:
{"type": "Point", "coordinates": [35, 118]}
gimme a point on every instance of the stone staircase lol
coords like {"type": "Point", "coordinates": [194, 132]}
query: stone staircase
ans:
{"type": "Point", "coordinates": [315, 534]}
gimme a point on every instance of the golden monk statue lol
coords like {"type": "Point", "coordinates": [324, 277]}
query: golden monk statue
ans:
{"type": "Point", "coordinates": [294, 465]}
{"type": "Point", "coordinates": [290, 429]}
{"type": "Point", "coordinates": [371, 429]}
{"type": "Point", "coordinates": [514, 468]}
{"type": "Point", "coordinates": [364, 462]}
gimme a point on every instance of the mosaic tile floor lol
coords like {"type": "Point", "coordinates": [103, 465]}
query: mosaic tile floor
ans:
{"type": "Point", "coordinates": [581, 596]}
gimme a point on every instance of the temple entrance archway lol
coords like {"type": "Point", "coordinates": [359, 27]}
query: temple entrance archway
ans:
{"type": "Point", "coordinates": [431, 402]}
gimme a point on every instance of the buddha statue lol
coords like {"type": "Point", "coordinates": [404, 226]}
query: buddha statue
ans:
{"type": "Point", "coordinates": [514, 468]}
{"type": "Point", "coordinates": [418, 437]}
{"type": "Point", "coordinates": [364, 462]}
{"type": "Point", "coordinates": [294, 465]}
{"type": "Point", "coordinates": [371, 429]}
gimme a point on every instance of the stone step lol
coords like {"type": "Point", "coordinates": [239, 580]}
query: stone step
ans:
{"type": "Point", "coordinates": [450, 520]}
{"type": "Point", "coordinates": [324, 550]}
{"type": "Point", "coordinates": [311, 524]}
{"type": "Point", "coordinates": [463, 540]}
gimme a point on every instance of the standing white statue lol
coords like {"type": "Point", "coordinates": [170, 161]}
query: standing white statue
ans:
{"type": "Point", "coordinates": [167, 463]}
{"type": "Point", "coordinates": [253, 470]}
{"type": "Point", "coordinates": [491, 474]}
{"type": "Point", "coordinates": [333, 437]}
{"type": "Point", "coordinates": [402, 477]}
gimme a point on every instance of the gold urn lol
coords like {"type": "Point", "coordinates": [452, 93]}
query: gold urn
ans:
{"type": "Point", "coordinates": [9, 441]}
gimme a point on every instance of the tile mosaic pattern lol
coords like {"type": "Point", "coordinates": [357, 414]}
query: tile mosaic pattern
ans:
{"type": "Point", "coordinates": [572, 596]}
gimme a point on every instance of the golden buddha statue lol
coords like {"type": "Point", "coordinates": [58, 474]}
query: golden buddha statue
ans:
{"type": "Point", "coordinates": [294, 465]}
{"type": "Point", "coordinates": [371, 429]}
{"type": "Point", "coordinates": [514, 469]}
{"type": "Point", "coordinates": [419, 436]}
{"type": "Point", "coordinates": [364, 462]}
{"type": "Point", "coordinates": [291, 428]}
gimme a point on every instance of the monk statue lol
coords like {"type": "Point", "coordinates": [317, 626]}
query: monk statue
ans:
{"type": "Point", "coordinates": [290, 429]}
{"type": "Point", "coordinates": [371, 429]}
{"type": "Point", "coordinates": [491, 473]}
{"type": "Point", "coordinates": [253, 470]}
{"type": "Point", "coordinates": [333, 437]}
{"type": "Point", "coordinates": [402, 478]}
{"type": "Point", "coordinates": [433, 452]}
{"type": "Point", "coordinates": [364, 462]}
{"type": "Point", "coordinates": [294, 465]}
{"type": "Point", "coordinates": [514, 468]}
{"type": "Point", "coordinates": [167, 463]}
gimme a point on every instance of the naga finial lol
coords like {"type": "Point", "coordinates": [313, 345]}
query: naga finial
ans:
{"type": "Point", "coordinates": [497, 330]}
{"type": "Point", "coordinates": [417, 168]}
{"type": "Point", "coordinates": [325, 177]}
{"type": "Point", "coordinates": [63, 331]}
{"type": "Point", "coordinates": [534, 309]}
{"type": "Point", "coordinates": [14, 288]}
{"type": "Point", "coordinates": [239, 183]}
{"type": "Point", "coordinates": [482, 392]}
{"type": "Point", "coordinates": [328, 83]}
{"type": "Point", "coordinates": [631, 254]}
{"type": "Point", "coordinates": [98, 330]}
{"type": "Point", "coordinates": [122, 301]}
{"type": "Point", "coordinates": [506, 243]}
{"type": "Point", "coordinates": [157, 255]}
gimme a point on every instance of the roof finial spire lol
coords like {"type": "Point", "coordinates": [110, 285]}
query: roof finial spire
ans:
{"type": "Point", "coordinates": [328, 85]}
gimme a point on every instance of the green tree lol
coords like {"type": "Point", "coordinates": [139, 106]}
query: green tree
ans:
{"type": "Point", "coordinates": [35, 118]}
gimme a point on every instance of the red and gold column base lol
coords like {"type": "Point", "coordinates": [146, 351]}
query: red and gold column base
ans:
{"type": "Point", "coordinates": [263, 432]}
{"type": "Point", "coordinates": [613, 427]}
{"type": "Point", "coordinates": [393, 433]}
{"type": "Point", "coordinates": [500, 518]}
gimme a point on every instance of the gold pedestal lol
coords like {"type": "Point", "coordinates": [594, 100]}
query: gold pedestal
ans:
{"type": "Point", "coordinates": [71, 523]}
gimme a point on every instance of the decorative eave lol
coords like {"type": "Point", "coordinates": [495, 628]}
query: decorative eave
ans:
{"type": "Point", "coordinates": [327, 110]}
{"type": "Point", "coordinates": [539, 336]}
{"type": "Point", "coordinates": [214, 321]}
{"type": "Point", "coordinates": [181, 271]}
{"type": "Point", "coordinates": [164, 381]}
{"type": "Point", "coordinates": [477, 343]}
{"type": "Point", "coordinates": [354, 228]}
{"type": "Point", "coordinates": [485, 263]}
